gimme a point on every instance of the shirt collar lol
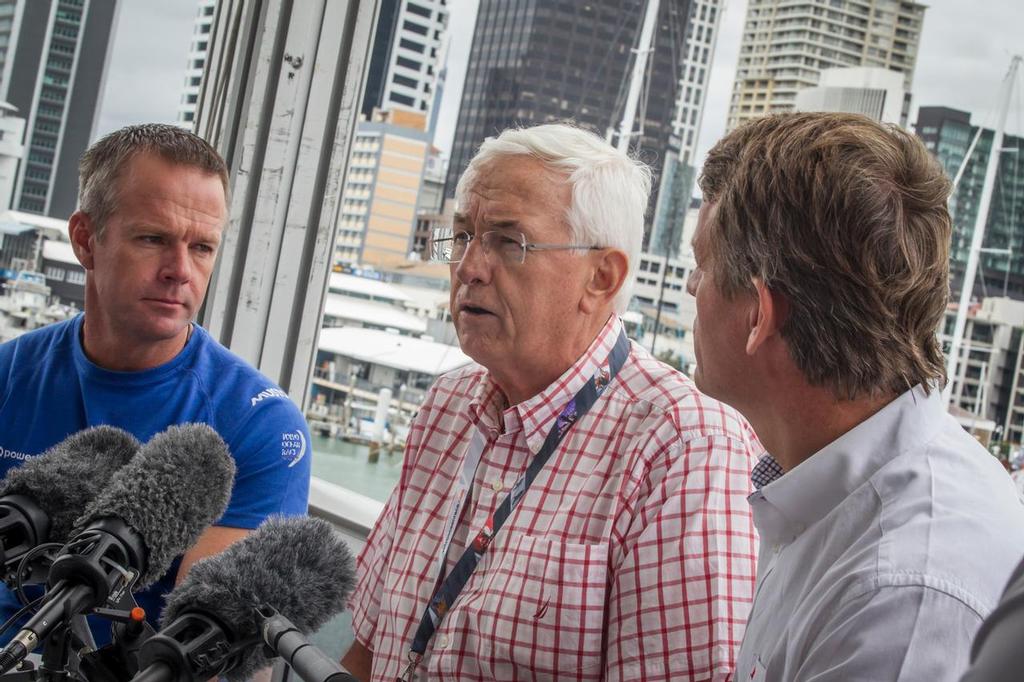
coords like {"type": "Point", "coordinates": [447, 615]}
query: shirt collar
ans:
{"type": "Point", "coordinates": [786, 505]}
{"type": "Point", "coordinates": [537, 414]}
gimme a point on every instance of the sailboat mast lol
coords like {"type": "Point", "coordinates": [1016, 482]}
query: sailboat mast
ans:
{"type": "Point", "coordinates": [641, 56]}
{"type": "Point", "coordinates": [978, 236]}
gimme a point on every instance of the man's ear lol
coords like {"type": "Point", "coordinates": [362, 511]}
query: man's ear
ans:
{"type": "Point", "coordinates": [609, 268]}
{"type": "Point", "coordinates": [81, 231]}
{"type": "Point", "coordinates": [766, 316]}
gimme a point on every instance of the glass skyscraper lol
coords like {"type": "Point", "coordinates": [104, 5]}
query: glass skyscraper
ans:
{"type": "Point", "coordinates": [948, 134]}
{"type": "Point", "coordinates": [537, 61]}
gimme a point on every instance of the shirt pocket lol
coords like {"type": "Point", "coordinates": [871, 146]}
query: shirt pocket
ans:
{"type": "Point", "coordinates": [540, 610]}
{"type": "Point", "coordinates": [757, 672]}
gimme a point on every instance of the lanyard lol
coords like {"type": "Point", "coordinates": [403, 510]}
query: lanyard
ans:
{"type": "Point", "coordinates": [449, 590]}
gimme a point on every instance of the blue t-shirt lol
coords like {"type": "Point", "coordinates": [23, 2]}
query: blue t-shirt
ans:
{"type": "Point", "coordinates": [50, 390]}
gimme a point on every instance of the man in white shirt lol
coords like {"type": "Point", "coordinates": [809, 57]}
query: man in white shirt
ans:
{"type": "Point", "coordinates": [887, 532]}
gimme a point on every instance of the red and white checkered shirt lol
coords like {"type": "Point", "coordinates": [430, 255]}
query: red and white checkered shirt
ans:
{"type": "Point", "coordinates": [631, 557]}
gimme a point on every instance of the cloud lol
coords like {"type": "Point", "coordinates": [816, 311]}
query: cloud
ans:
{"type": "Point", "coordinates": [146, 71]}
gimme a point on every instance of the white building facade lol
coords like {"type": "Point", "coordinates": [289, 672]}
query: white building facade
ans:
{"type": "Point", "coordinates": [198, 49]}
{"type": "Point", "coordinates": [872, 91]}
{"type": "Point", "coordinates": [12, 150]}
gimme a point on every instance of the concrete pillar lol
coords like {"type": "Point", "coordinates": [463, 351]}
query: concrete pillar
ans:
{"type": "Point", "coordinates": [280, 101]}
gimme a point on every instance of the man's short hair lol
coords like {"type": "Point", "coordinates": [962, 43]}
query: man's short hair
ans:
{"type": "Point", "coordinates": [101, 166]}
{"type": "Point", "coordinates": [847, 219]}
{"type": "Point", "coordinates": [609, 188]}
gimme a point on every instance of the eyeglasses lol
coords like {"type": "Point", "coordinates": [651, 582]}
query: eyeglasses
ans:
{"type": "Point", "coordinates": [511, 247]}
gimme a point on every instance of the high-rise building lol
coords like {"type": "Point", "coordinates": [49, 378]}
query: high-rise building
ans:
{"type": "Point", "coordinates": [787, 43]}
{"type": "Point", "coordinates": [948, 133]}
{"type": "Point", "coordinates": [701, 34]}
{"type": "Point", "coordinates": [407, 48]}
{"type": "Point", "coordinates": [7, 25]}
{"type": "Point", "coordinates": [53, 74]}
{"type": "Point", "coordinates": [198, 49]}
{"type": "Point", "coordinates": [12, 151]}
{"type": "Point", "coordinates": [535, 62]}
{"type": "Point", "coordinates": [378, 204]}
{"type": "Point", "coordinates": [869, 90]}
{"type": "Point", "coordinates": [678, 172]}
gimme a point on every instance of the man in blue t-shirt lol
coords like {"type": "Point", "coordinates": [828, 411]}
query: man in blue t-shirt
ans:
{"type": "Point", "coordinates": [152, 213]}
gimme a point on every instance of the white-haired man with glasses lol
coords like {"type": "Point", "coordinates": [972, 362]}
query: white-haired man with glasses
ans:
{"type": "Point", "coordinates": [569, 507]}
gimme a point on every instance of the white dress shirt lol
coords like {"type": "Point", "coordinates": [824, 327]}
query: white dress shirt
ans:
{"type": "Point", "coordinates": [881, 553]}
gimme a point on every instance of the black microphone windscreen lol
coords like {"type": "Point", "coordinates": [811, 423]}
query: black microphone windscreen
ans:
{"type": "Point", "coordinates": [177, 485]}
{"type": "Point", "coordinates": [65, 478]}
{"type": "Point", "coordinates": [298, 565]}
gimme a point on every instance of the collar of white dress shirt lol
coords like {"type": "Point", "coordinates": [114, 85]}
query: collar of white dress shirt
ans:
{"type": "Point", "coordinates": [789, 504]}
{"type": "Point", "coordinates": [537, 414]}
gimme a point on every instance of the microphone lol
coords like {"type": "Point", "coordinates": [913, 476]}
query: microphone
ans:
{"type": "Point", "coordinates": [40, 500]}
{"type": "Point", "coordinates": [154, 509]}
{"type": "Point", "coordinates": [299, 567]}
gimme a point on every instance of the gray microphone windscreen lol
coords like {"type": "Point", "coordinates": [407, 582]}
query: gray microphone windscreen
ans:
{"type": "Point", "coordinates": [298, 565]}
{"type": "Point", "coordinates": [68, 476]}
{"type": "Point", "coordinates": [177, 485]}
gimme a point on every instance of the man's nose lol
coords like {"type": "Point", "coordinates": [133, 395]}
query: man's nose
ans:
{"type": "Point", "coordinates": [475, 266]}
{"type": "Point", "coordinates": [177, 265]}
{"type": "Point", "coordinates": [691, 282]}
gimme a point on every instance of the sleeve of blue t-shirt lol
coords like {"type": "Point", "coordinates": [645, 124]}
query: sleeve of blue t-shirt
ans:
{"type": "Point", "coordinates": [272, 452]}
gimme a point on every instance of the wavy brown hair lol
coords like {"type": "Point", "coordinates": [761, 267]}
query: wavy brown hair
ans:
{"type": "Point", "coordinates": [847, 219]}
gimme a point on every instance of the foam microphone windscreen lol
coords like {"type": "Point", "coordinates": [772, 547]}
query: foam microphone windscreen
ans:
{"type": "Point", "coordinates": [66, 478]}
{"type": "Point", "coordinates": [300, 566]}
{"type": "Point", "coordinates": [173, 489]}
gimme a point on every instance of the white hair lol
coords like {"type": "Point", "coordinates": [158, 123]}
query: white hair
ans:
{"type": "Point", "coordinates": [609, 189]}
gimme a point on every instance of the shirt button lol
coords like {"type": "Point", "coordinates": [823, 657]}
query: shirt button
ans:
{"type": "Point", "coordinates": [497, 486]}
{"type": "Point", "coordinates": [442, 641]}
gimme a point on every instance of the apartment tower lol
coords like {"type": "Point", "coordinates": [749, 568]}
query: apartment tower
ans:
{"type": "Point", "coordinates": [786, 44]}
{"type": "Point", "coordinates": [53, 67]}
{"type": "Point", "coordinates": [198, 49]}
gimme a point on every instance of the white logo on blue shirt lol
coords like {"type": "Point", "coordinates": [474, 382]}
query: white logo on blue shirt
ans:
{"type": "Point", "coordinates": [266, 393]}
{"type": "Point", "coordinates": [293, 447]}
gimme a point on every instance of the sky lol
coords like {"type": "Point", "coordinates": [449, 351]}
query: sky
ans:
{"type": "Point", "coordinates": [964, 54]}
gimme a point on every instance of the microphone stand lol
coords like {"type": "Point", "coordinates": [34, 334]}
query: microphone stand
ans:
{"type": "Point", "coordinates": [69, 651]}
{"type": "Point", "coordinates": [283, 639]}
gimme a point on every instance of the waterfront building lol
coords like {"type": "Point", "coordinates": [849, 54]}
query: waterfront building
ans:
{"type": "Point", "coordinates": [786, 44]}
{"type": "Point", "coordinates": [666, 313]}
{"type": "Point", "coordinates": [12, 151]}
{"type": "Point", "coordinates": [382, 188]}
{"type": "Point", "coordinates": [532, 63]}
{"type": "Point", "coordinates": [353, 366]}
{"type": "Point", "coordinates": [198, 49]}
{"type": "Point", "coordinates": [948, 134]}
{"type": "Point", "coordinates": [53, 70]}
{"type": "Point", "coordinates": [365, 303]}
{"type": "Point", "coordinates": [64, 275]}
{"type": "Point", "coordinates": [988, 390]}
{"type": "Point", "coordinates": [875, 92]}
{"type": "Point", "coordinates": [22, 236]}
{"type": "Point", "coordinates": [406, 58]}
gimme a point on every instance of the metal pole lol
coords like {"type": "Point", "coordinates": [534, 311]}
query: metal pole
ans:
{"type": "Point", "coordinates": [661, 298]}
{"type": "Point", "coordinates": [978, 237]}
